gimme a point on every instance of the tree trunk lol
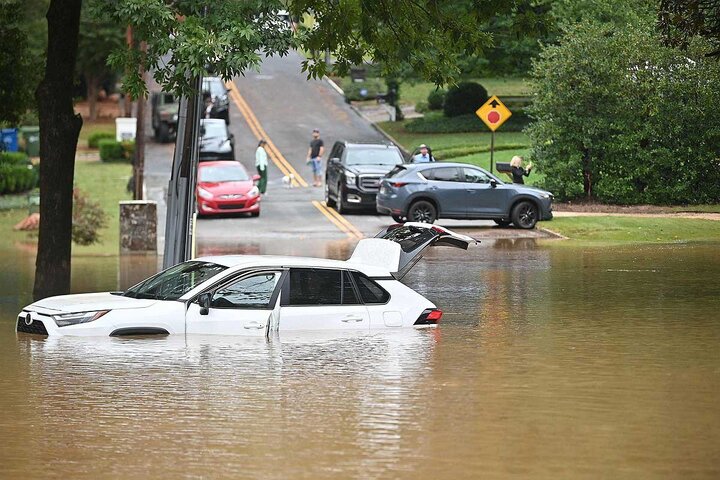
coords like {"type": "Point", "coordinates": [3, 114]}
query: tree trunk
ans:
{"type": "Point", "coordinates": [93, 82]}
{"type": "Point", "coordinates": [587, 174]}
{"type": "Point", "coordinates": [59, 131]}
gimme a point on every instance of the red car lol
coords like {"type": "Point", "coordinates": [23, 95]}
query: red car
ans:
{"type": "Point", "coordinates": [226, 187]}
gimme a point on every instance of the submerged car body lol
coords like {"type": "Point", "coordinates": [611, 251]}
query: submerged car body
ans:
{"type": "Point", "coordinates": [258, 295]}
{"type": "Point", "coordinates": [226, 187]}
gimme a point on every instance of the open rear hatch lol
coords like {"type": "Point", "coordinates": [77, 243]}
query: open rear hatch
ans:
{"type": "Point", "coordinates": [401, 246]}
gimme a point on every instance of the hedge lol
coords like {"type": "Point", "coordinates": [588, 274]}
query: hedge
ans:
{"type": "Point", "coordinates": [374, 88]}
{"type": "Point", "coordinates": [464, 98]}
{"type": "Point", "coordinates": [17, 178]}
{"type": "Point", "coordinates": [465, 123]}
{"type": "Point", "coordinates": [112, 151]}
{"type": "Point", "coordinates": [14, 158]}
{"type": "Point", "coordinates": [94, 139]}
{"type": "Point", "coordinates": [436, 99]}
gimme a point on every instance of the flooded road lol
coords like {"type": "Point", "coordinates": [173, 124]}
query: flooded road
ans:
{"type": "Point", "coordinates": [552, 361]}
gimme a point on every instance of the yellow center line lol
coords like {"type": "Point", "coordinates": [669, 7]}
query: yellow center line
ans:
{"type": "Point", "coordinates": [344, 221]}
{"type": "Point", "coordinates": [324, 211]}
{"type": "Point", "coordinates": [260, 132]}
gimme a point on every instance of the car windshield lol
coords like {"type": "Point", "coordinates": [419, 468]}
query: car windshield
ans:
{"type": "Point", "coordinates": [214, 129]}
{"type": "Point", "coordinates": [373, 156]}
{"type": "Point", "coordinates": [214, 87]}
{"type": "Point", "coordinates": [176, 281]}
{"type": "Point", "coordinates": [225, 173]}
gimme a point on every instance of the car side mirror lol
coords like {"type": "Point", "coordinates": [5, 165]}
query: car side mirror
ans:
{"type": "Point", "coordinates": [493, 183]}
{"type": "Point", "coordinates": [204, 302]}
{"type": "Point", "coordinates": [256, 178]}
{"type": "Point", "coordinates": [334, 161]}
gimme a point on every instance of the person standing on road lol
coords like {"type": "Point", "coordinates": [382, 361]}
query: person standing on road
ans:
{"type": "Point", "coordinates": [261, 164]}
{"type": "Point", "coordinates": [518, 171]}
{"type": "Point", "coordinates": [314, 157]}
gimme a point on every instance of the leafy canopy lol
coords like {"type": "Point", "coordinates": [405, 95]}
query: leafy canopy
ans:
{"type": "Point", "coordinates": [185, 37]}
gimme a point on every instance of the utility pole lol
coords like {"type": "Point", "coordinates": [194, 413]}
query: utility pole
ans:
{"type": "Point", "coordinates": [181, 188]}
{"type": "Point", "coordinates": [139, 160]}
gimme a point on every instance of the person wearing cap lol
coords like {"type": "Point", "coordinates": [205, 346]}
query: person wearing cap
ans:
{"type": "Point", "coordinates": [314, 157]}
{"type": "Point", "coordinates": [424, 156]}
{"type": "Point", "coordinates": [261, 164]}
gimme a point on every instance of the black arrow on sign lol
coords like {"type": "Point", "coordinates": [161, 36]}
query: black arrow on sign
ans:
{"type": "Point", "coordinates": [494, 103]}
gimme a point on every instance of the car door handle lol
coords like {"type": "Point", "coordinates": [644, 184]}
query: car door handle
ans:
{"type": "Point", "coordinates": [254, 325]}
{"type": "Point", "coordinates": [352, 319]}
{"type": "Point", "coordinates": [470, 190]}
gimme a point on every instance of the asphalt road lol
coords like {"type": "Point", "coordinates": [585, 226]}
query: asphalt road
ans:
{"type": "Point", "coordinates": [280, 105]}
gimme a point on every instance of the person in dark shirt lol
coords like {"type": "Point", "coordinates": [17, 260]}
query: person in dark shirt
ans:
{"type": "Point", "coordinates": [314, 157]}
{"type": "Point", "coordinates": [518, 172]}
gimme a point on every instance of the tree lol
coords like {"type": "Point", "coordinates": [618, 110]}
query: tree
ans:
{"type": "Point", "coordinates": [681, 20]}
{"type": "Point", "coordinates": [16, 63]}
{"type": "Point", "coordinates": [623, 119]}
{"type": "Point", "coordinates": [59, 131]}
{"type": "Point", "coordinates": [183, 37]}
{"type": "Point", "coordinates": [99, 37]}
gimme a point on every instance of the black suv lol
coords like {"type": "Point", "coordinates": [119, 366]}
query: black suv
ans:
{"type": "Point", "coordinates": [354, 171]}
{"type": "Point", "coordinates": [216, 98]}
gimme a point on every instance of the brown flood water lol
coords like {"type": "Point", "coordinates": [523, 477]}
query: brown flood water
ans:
{"type": "Point", "coordinates": [552, 362]}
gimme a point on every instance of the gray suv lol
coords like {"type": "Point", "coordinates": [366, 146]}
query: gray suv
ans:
{"type": "Point", "coordinates": [428, 191]}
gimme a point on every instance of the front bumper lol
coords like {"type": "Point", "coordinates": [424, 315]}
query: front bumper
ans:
{"type": "Point", "coordinates": [354, 197]}
{"type": "Point", "coordinates": [218, 206]}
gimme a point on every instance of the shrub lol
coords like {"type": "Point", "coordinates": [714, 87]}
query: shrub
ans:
{"type": "Point", "coordinates": [112, 151]}
{"type": "Point", "coordinates": [94, 139]}
{"type": "Point", "coordinates": [17, 178]}
{"type": "Point", "coordinates": [464, 98]}
{"type": "Point", "coordinates": [421, 107]}
{"type": "Point", "coordinates": [436, 99]}
{"type": "Point", "coordinates": [87, 219]}
{"type": "Point", "coordinates": [14, 158]}
{"type": "Point", "coordinates": [128, 147]}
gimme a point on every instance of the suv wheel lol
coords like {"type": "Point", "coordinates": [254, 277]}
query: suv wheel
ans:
{"type": "Point", "coordinates": [525, 215]}
{"type": "Point", "coordinates": [340, 203]}
{"type": "Point", "coordinates": [328, 201]}
{"type": "Point", "coordinates": [422, 211]}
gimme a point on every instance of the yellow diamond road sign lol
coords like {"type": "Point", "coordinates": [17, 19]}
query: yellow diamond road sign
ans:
{"type": "Point", "coordinates": [493, 113]}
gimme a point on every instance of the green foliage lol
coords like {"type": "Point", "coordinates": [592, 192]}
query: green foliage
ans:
{"type": "Point", "coordinates": [95, 138]}
{"type": "Point", "coordinates": [88, 218]}
{"type": "Point", "coordinates": [681, 20]}
{"type": "Point", "coordinates": [113, 151]}
{"type": "Point", "coordinates": [451, 153]}
{"type": "Point", "coordinates": [16, 178]}
{"type": "Point", "coordinates": [464, 98]}
{"type": "Point", "coordinates": [436, 99]}
{"type": "Point", "coordinates": [372, 88]}
{"type": "Point", "coordinates": [14, 158]}
{"type": "Point", "coordinates": [16, 63]}
{"type": "Point", "coordinates": [623, 119]}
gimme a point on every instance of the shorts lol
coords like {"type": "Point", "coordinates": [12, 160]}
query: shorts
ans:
{"type": "Point", "coordinates": [316, 165]}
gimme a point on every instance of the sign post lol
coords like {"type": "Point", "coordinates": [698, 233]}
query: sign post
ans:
{"type": "Point", "coordinates": [493, 113]}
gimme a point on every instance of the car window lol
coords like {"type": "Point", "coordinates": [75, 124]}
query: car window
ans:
{"type": "Point", "coordinates": [370, 291]}
{"type": "Point", "coordinates": [233, 172]}
{"type": "Point", "coordinates": [373, 156]}
{"type": "Point", "coordinates": [410, 239]}
{"type": "Point", "coordinates": [442, 174]}
{"type": "Point", "coordinates": [176, 281]}
{"type": "Point", "coordinates": [309, 286]}
{"type": "Point", "coordinates": [254, 291]}
{"type": "Point", "coordinates": [214, 87]}
{"type": "Point", "coordinates": [473, 175]}
{"type": "Point", "coordinates": [398, 171]}
{"type": "Point", "coordinates": [349, 297]}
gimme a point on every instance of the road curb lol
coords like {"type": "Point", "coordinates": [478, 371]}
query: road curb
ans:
{"type": "Point", "coordinates": [375, 127]}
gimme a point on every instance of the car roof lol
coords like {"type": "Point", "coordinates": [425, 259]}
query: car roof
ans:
{"type": "Point", "coordinates": [212, 120]}
{"type": "Point", "coordinates": [367, 145]}
{"type": "Point", "coordinates": [237, 262]}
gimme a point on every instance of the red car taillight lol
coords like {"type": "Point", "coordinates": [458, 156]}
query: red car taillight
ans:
{"type": "Point", "coordinates": [430, 316]}
{"type": "Point", "coordinates": [398, 184]}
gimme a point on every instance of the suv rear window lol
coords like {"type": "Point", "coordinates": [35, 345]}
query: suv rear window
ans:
{"type": "Point", "coordinates": [311, 286]}
{"type": "Point", "coordinates": [370, 291]}
{"type": "Point", "coordinates": [398, 171]}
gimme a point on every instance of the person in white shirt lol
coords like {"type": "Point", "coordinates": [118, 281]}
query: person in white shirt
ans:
{"type": "Point", "coordinates": [424, 156]}
{"type": "Point", "coordinates": [261, 164]}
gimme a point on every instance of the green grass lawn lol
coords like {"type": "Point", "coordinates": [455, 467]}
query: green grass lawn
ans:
{"type": "Point", "coordinates": [104, 183]}
{"type": "Point", "coordinates": [411, 93]}
{"type": "Point", "coordinates": [615, 229]}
